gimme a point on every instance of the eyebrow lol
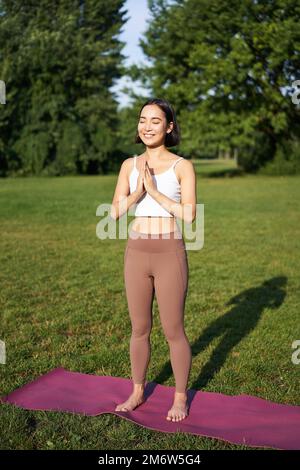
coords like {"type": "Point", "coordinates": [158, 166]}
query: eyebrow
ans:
{"type": "Point", "coordinates": [151, 118]}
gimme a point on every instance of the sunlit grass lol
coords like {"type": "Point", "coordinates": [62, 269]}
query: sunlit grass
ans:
{"type": "Point", "coordinates": [63, 303]}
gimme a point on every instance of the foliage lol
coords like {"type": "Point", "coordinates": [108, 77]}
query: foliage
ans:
{"type": "Point", "coordinates": [59, 60]}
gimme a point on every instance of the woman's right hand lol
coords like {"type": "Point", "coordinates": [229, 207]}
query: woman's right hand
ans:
{"type": "Point", "coordinates": [140, 188]}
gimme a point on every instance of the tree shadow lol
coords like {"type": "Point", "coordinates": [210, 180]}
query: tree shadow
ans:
{"type": "Point", "coordinates": [247, 308]}
{"type": "Point", "coordinates": [227, 172]}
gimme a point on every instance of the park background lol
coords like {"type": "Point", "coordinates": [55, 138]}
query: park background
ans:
{"type": "Point", "coordinates": [228, 69]}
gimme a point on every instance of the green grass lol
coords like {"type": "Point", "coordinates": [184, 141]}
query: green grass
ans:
{"type": "Point", "coordinates": [216, 167]}
{"type": "Point", "coordinates": [63, 303]}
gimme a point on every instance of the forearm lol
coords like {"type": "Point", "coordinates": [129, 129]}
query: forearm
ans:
{"type": "Point", "coordinates": [117, 210]}
{"type": "Point", "coordinates": [182, 211]}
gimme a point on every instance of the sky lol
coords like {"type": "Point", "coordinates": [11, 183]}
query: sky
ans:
{"type": "Point", "coordinates": [137, 14]}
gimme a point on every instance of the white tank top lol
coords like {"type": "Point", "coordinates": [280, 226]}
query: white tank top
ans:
{"type": "Point", "coordinates": [166, 183]}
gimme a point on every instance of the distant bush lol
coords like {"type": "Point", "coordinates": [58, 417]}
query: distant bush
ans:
{"type": "Point", "coordinates": [252, 157]}
{"type": "Point", "coordinates": [286, 160]}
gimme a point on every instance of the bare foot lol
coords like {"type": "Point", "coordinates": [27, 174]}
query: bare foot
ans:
{"type": "Point", "coordinates": [132, 402]}
{"type": "Point", "coordinates": [179, 410]}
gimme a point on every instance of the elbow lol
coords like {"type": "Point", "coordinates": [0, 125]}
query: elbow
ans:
{"type": "Point", "coordinates": [189, 213]}
{"type": "Point", "coordinates": [189, 216]}
{"type": "Point", "coordinates": [189, 220]}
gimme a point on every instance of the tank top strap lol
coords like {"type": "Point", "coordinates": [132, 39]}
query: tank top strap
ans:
{"type": "Point", "coordinates": [134, 161]}
{"type": "Point", "coordinates": [181, 158]}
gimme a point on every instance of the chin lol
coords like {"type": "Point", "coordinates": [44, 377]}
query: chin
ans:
{"type": "Point", "coordinates": [152, 143]}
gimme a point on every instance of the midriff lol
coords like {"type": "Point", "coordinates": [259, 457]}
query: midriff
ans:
{"type": "Point", "coordinates": [155, 225]}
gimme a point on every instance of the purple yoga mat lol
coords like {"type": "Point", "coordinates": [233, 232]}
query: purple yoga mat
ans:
{"type": "Point", "coordinates": [239, 419]}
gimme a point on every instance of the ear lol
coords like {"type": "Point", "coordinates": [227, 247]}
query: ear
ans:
{"type": "Point", "coordinates": [170, 127]}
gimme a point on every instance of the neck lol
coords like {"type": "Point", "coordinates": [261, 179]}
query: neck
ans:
{"type": "Point", "coordinates": [155, 154]}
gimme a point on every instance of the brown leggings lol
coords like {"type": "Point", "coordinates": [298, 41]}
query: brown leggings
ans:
{"type": "Point", "coordinates": [153, 263]}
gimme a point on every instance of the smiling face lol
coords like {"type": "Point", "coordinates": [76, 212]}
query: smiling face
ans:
{"type": "Point", "coordinates": [153, 126]}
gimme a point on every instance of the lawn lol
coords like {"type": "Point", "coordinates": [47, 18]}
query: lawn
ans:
{"type": "Point", "coordinates": [63, 302]}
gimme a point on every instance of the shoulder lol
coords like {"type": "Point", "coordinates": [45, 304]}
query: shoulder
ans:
{"type": "Point", "coordinates": [182, 162]}
{"type": "Point", "coordinates": [184, 167]}
{"type": "Point", "coordinates": [125, 169]}
{"type": "Point", "coordinates": [185, 163]}
{"type": "Point", "coordinates": [127, 162]}
{"type": "Point", "coordinates": [127, 165]}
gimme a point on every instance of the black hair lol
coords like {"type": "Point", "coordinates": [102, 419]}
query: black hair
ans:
{"type": "Point", "coordinates": [172, 138]}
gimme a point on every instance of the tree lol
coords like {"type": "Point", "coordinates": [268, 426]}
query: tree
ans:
{"type": "Point", "coordinates": [228, 68]}
{"type": "Point", "coordinates": [59, 60]}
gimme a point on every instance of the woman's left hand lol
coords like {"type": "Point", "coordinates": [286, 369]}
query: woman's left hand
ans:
{"type": "Point", "coordinates": [148, 181]}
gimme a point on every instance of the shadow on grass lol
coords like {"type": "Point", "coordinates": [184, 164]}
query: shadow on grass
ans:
{"type": "Point", "coordinates": [237, 323]}
{"type": "Point", "coordinates": [225, 173]}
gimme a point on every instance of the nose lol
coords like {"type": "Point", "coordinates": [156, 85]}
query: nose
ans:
{"type": "Point", "coordinates": [146, 126]}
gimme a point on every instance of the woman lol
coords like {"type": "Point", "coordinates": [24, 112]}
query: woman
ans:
{"type": "Point", "coordinates": [163, 186]}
